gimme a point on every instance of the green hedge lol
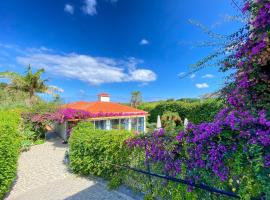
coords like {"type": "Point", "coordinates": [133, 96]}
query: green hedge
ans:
{"type": "Point", "coordinates": [93, 152]}
{"type": "Point", "coordinates": [196, 112]}
{"type": "Point", "coordinates": [9, 149]}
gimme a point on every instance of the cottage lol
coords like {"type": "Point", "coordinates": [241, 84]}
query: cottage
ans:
{"type": "Point", "coordinates": [107, 115]}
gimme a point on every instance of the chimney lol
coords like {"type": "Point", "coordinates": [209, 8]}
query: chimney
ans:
{"type": "Point", "coordinates": [104, 97]}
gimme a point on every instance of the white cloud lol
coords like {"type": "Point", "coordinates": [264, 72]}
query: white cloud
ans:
{"type": "Point", "coordinates": [93, 70]}
{"type": "Point", "coordinates": [54, 89]}
{"type": "Point", "coordinates": [90, 7]}
{"type": "Point", "coordinates": [144, 42]}
{"type": "Point", "coordinates": [69, 9]}
{"type": "Point", "coordinates": [142, 75]}
{"type": "Point", "coordinates": [181, 74]}
{"type": "Point", "coordinates": [192, 76]}
{"type": "Point", "coordinates": [208, 76]}
{"type": "Point", "coordinates": [202, 85]}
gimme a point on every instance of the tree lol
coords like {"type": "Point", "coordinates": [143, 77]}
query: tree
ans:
{"type": "Point", "coordinates": [31, 83]}
{"type": "Point", "coordinates": [136, 99]}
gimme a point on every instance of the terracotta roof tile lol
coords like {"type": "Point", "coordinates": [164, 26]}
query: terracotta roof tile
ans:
{"type": "Point", "coordinates": [104, 94]}
{"type": "Point", "coordinates": [105, 107]}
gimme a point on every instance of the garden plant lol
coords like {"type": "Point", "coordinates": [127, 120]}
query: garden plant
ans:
{"type": "Point", "coordinates": [9, 149]}
{"type": "Point", "coordinates": [232, 151]}
{"type": "Point", "coordinates": [227, 147]}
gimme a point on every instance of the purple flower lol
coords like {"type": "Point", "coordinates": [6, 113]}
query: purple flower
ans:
{"type": "Point", "coordinates": [267, 160]}
{"type": "Point", "coordinates": [246, 7]}
{"type": "Point", "coordinates": [180, 136]}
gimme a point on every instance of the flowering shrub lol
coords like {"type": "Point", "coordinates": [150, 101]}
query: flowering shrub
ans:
{"type": "Point", "coordinates": [38, 121]}
{"type": "Point", "coordinates": [64, 114]}
{"type": "Point", "coordinates": [67, 113]}
{"type": "Point", "coordinates": [231, 152]}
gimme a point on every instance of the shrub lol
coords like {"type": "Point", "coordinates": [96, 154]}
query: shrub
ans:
{"type": "Point", "coordinates": [170, 120]}
{"type": "Point", "coordinates": [196, 112]}
{"type": "Point", "coordinates": [9, 149]}
{"type": "Point", "coordinates": [150, 127]}
{"type": "Point", "coordinates": [35, 120]}
{"type": "Point", "coordinates": [98, 152]}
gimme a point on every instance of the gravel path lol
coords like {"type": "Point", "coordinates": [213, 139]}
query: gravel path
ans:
{"type": "Point", "coordinates": [42, 175]}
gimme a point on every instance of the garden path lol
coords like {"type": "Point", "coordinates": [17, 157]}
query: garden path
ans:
{"type": "Point", "coordinates": [42, 175]}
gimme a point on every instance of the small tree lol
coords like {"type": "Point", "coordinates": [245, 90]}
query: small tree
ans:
{"type": "Point", "coordinates": [30, 83]}
{"type": "Point", "coordinates": [136, 99]}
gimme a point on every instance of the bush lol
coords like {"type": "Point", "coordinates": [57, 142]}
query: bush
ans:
{"type": "Point", "coordinates": [150, 127]}
{"type": "Point", "coordinates": [35, 121]}
{"type": "Point", "coordinates": [98, 152]}
{"type": "Point", "coordinates": [170, 120]}
{"type": "Point", "coordinates": [9, 149]}
{"type": "Point", "coordinates": [196, 112]}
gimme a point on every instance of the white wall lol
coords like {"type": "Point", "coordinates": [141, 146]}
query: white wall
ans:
{"type": "Point", "coordinates": [104, 99]}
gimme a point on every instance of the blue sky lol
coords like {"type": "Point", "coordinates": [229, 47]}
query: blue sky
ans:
{"type": "Point", "coordinates": [114, 46]}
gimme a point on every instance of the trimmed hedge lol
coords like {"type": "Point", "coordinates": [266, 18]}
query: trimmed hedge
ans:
{"type": "Point", "coordinates": [9, 149]}
{"type": "Point", "coordinates": [92, 151]}
{"type": "Point", "coordinates": [196, 112]}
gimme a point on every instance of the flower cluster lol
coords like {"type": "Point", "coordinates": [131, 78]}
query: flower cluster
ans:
{"type": "Point", "coordinates": [242, 126]}
{"type": "Point", "coordinates": [66, 114]}
{"type": "Point", "coordinates": [156, 150]}
{"type": "Point", "coordinates": [71, 114]}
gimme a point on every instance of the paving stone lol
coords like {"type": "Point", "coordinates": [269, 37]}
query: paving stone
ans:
{"type": "Point", "coordinates": [42, 175]}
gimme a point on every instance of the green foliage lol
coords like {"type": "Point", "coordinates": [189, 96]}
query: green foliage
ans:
{"type": "Point", "coordinates": [248, 176]}
{"type": "Point", "coordinates": [196, 112]}
{"type": "Point", "coordinates": [98, 152]}
{"type": "Point", "coordinates": [34, 130]}
{"type": "Point", "coordinates": [27, 137]}
{"type": "Point", "coordinates": [150, 127]}
{"type": "Point", "coordinates": [11, 98]}
{"type": "Point", "coordinates": [29, 83]}
{"type": "Point", "coordinates": [42, 107]}
{"type": "Point", "coordinates": [9, 149]}
{"type": "Point", "coordinates": [170, 120]}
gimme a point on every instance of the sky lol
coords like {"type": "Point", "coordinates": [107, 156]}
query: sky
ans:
{"type": "Point", "coordinates": [115, 46]}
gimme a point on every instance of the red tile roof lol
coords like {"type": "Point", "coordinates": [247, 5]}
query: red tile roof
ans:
{"type": "Point", "coordinates": [104, 94]}
{"type": "Point", "coordinates": [105, 107]}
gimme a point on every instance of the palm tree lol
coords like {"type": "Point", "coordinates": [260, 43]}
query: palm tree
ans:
{"type": "Point", "coordinates": [136, 99]}
{"type": "Point", "coordinates": [30, 83]}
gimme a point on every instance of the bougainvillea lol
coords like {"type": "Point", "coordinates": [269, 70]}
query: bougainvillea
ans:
{"type": "Point", "coordinates": [240, 132]}
{"type": "Point", "coordinates": [66, 114]}
{"type": "Point", "coordinates": [70, 114]}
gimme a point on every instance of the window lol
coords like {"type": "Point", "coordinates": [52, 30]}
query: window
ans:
{"type": "Point", "coordinates": [100, 124]}
{"type": "Point", "coordinates": [134, 124]}
{"type": "Point", "coordinates": [141, 124]}
{"type": "Point", "coordinates": [115, 124]}
{"type": "Point", "coordinates": [123, 124]}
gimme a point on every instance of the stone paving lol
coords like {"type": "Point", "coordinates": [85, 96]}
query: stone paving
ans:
{"type": "Point", "coordinates": [42, 175]}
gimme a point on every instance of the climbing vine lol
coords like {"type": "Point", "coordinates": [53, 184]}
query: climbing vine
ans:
{"type": "Point", "coordinates": [233, 150]}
